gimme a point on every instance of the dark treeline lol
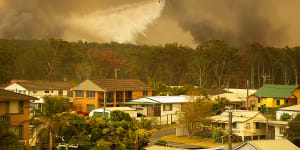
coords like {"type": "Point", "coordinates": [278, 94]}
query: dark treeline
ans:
{"type": "Point", "coordinates": [213, 64]}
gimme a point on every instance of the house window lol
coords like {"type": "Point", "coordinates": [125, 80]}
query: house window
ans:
{"type": "Point", "coordinates": [234, 125]}
{"type": "Point", "coordinates": [259, 100]}
{"type": "Point", "coordinates": [90, 94]}
{"type": "Point", "coordinates": [110, 97]}
{"type": "Point", "coordinates": [20, 131]}
{"type": "Point", "coordinates": [145, 93]}
{"type": "Point", "coordinates": [119, 96]}
{"type": "Point", "coordinates": [47, 91]}
{"type": "Point", "coordinates": [281, 130]}
{"type": "Point", "coordinates": [278, 102]}
{"type": "Point", "coordinates": [286, 101]}
{"type": "Point", "coordinates": [60, 92]}
{"type": "Point", "coordinates": [34, 92]}
{"type": "Point", "coordinates": [21, 107]}
{"type": "Point", "coordinates": [167, 107]}
{"type": "Point", "coordinates": [258, 125]}
{"type": "Point", "coordinates": [128, 95]}
{"type": "Point", "coordinates": [248, 126]}
{"type": "Point", "coordinates": [7, 107]}
{"type": "Point", "coordinates": [79, 93]}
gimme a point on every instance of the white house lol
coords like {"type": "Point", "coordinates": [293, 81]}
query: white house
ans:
{"type": "Point", "coordinates": [162, 109]}
{"type": "Point", "coordinates": [235, 96]}
{"type": "Point", "coordinates": [40, 89]}
{"type": "Point", "coordinates": [293, 111]}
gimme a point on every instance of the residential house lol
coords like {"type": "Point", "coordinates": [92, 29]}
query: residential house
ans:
{"type": "Point", "coordinates": [278, 128]}
{"type": "Point", "coordinates": [247, 125]}
{"type": "Point", "coordinates": [14, 108]}
{"type": "Point", "coordinates": [40, 89]}
{"type": "Point", "coordinates": [273, 96]}
{"type": "Point", "coordinates": [236, 97]}
{"type": "Point", "coordinates": [90, 94]}
{"type": "Point", "coordinates": [236, 100]}
{"type": "Point", "coordinates": [267, 145]}
{"type": "Point", "coordinates": [293, 111]}
{"type": "Point", "coordinates": [163, 109]}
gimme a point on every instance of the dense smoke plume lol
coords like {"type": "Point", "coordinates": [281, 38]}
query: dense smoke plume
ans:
{"type": "Point", "coordinates": [93, 20]}
{"type": "Point", "coordinates": [153, 21]}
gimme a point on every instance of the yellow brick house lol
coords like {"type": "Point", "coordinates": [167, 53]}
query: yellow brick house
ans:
{"type": "Point", "coordinates": [273, 96]}
{"type": "Point", "coordinates": [90, 94]}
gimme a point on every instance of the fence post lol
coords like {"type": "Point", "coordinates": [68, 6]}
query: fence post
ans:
{"type": "Point", "coordinates": [171, 118]}
{"type": "Point", "coordinates": [160, 119]}
{"type": "Point", "coordinates": [167, 119]}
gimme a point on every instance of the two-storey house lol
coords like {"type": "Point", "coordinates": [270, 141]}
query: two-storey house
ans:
{"type": "Point", "coordinates": [14, 108]}
{"type": "Point", "coordinates": [39, 89]}
{"type": "Point", "coordinates": [247, 125]}
{"type": "Point", "coordinates": [273, 96]}
{"type": "Point", "coordinates": [90, 94]}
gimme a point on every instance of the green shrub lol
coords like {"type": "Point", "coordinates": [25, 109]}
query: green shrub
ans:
{"type": "Point", "coordinates": [218, 134]}
{"type": "Point", "coordinates": [285, 117]}
{"type": "Point", "coordinates": [161, 143]}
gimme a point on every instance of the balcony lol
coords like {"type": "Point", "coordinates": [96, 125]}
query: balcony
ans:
{"type": "Point", "coordinates": [5, 118]}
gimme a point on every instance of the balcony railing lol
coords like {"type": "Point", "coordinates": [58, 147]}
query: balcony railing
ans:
{"type": "Point", "coordinates": [5, 118]}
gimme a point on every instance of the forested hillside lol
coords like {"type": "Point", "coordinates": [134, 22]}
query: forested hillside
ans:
{"type": "Point", "coordinates": [213, 64]}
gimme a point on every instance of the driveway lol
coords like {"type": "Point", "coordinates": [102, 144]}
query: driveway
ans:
{"type": "Point", "coordinates": [157, 135]}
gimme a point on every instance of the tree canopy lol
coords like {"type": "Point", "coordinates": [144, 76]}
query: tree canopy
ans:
{"type": "Point", "coordinates": [212, 64]}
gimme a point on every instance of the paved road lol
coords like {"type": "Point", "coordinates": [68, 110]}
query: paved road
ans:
{"type": "Point", "coordinates": [157, 135]}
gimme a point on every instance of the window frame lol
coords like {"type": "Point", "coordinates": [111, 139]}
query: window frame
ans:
{"type": "Point", "coordinates": [281, 130]}
{"type": "Point", "coordinates": [21, 107]}
{"type": "Point", "coordinates": [171, 107]}
{"type": "Point", "coordinates": [145, 93]}
{"type": "Point", "coordinates": [79, 93]}
{"type": "Point", "coordinates": [90, 94]}
{"type": "Point", "coordinates": [258, 125]}
{"type": "Point", "coordinates": [278, 100]}
{"type": "Point", "coordinates": [60, 92]}
{"type": "Point", "coordinates": [128, 95]}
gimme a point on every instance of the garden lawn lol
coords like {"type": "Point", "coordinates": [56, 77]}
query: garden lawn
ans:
{"type": "Point", "coordinates": [202, 142]}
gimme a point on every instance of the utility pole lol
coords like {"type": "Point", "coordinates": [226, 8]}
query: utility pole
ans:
{"type": "Point", "coordinates": [116, 72]}
{"type": "Point", "coordinates": [267, 129]}
{"type": "Point", "coordinates": [247, 102]}
{"type": "Point", "coordinates": [104, 103]}
{"type": "Point", "coordinates": [230, 131]}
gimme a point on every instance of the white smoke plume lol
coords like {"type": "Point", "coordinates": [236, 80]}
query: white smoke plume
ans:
{"type": "Point", "coordinates": [121, 24]}
{"type": "Point", "coordinates": [91, 20]}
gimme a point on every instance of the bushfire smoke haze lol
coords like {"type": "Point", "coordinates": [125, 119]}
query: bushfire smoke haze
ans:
{"type": "Point", "coordinates": [153, 21]}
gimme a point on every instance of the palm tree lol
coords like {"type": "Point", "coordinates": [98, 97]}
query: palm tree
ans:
{"type": "Point", "coordinates": [7, 139]}
{"type": "Point", "coordinates": [50, 119]}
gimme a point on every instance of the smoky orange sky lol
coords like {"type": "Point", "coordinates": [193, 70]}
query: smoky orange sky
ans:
{"type": "Point", "coordinates": [187, 22]}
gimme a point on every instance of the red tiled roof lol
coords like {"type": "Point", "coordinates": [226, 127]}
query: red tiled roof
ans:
{"type": "Point", "coordinates": [121, 84]}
